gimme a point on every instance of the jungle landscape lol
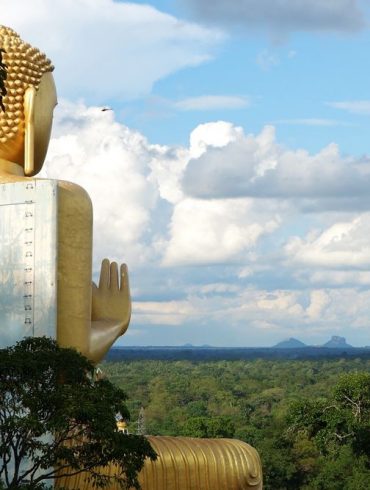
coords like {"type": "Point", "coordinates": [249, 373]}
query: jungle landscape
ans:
{"type": "Point", "coordinates": [308, 417]}
{"type": "Point", "coordinates": [215, 156]}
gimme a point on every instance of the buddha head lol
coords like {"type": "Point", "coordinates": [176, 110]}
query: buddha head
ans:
{"type": "Point", "coordinates": [27, 101]}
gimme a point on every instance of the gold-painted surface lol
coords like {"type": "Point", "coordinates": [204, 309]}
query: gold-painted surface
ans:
{"type": "Point", "coordinates": [205, 464]}
{"type": "Point", "coordinates": [26, 66]}
{"type": "Point", "coordinates": [186, 463]}
{"type": "Point", "coordinates": [90, 318]}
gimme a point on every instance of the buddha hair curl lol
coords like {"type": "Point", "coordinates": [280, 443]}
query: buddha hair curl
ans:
{"type": "Point", "coordinates": [22, 66]}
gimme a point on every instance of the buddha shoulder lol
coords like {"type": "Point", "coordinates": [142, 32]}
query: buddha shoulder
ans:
{"type": "Point", "coordinates": [74, 196]}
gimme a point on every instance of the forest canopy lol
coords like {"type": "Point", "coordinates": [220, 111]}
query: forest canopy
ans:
{"type": "Point", "coordinates": [280, 407]}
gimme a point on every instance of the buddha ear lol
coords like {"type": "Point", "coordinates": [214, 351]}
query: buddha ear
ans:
{"type": "Point", "coordinates": [29, 131]}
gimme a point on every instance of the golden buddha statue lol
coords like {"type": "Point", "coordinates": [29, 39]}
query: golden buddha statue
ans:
{"type": "Point", "coordinates": [89, 318]}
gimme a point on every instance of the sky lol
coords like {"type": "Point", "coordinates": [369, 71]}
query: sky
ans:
{"type": "Point", "coordinates": [231, 169]}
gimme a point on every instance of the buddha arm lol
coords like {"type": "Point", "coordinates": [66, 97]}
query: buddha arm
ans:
{"type": "Point", "coordinates": [87, 321]}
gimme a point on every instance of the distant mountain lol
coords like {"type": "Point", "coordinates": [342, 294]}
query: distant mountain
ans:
{"type": "Point", "coordinates": [337, 342]}
{"type": "Point", "coordinates": [290, 344]}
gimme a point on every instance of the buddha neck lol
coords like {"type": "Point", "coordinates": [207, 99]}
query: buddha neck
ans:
{"type": "Point", "coordinates": [10, 168]}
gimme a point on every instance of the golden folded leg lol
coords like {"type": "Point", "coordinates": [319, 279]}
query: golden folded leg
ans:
{"type": "Point", "coordinates": [186, 463]}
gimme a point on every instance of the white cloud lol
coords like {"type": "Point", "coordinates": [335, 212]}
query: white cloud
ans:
{"type": "Point", "coordinates": [167, 167]}
{"type": "Point", "coordinates": [253, 316]}
{"type": "Point", "coordinates": [312, 316]}
{"type": "Point", "coordinates": [258, 166]}
{"type": "Point", "coordinates": [213, 134]}
{"type": "Point", "coordinates": [130, 181]}
{"type": "Point", "coordinates": [209, 232]}
{"type": "Point", "coordinates": [341, 307]}
{"type": "Point", "coordinates": [343, 244]}
{"type": "Point", "coordinates": [164, 312]}
{"type": "Point", "coordinates": [106, 49]}
{"type": "Point", "coordinates": [340, 278]}
{"type": "Point", "coordinates": [280, 17]}
{"type": "Point", "coordinates": [126, 178]}
{"type": "Point", "coordinates": [247, 305]}
{"type": "Point", "coordinates": [223, 163]}
{"type": "Point", "coordinates": [212, 102]}
{"type": "Point", "coordinates": [277, 301]}
{"type": "Point", "coordinates": [319, 300]}
{"type": "Point", "coordinates": [352, 106]}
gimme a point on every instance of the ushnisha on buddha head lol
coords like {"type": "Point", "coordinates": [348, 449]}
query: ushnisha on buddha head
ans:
{"type": "Point", "coordinates": [27, 101]}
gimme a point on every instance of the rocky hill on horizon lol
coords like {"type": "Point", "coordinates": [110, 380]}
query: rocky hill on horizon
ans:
{"type": "Point", "coordinates": [336, 342]}
{"type": "Point", "coordinates": [291, 343]}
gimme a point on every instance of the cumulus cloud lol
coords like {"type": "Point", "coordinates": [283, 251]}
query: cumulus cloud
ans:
{"type": "Point", "coordinates": [213, 134]}
{"type": "Point", "coordinates": [167, 167]}
{"type": "Point", "coordinates": [258, 166]}
{"type": "Point", "coordinates": [140, 211]}
{"type": "Point", "coordinates": [343, 244]}
{"type": "Point", "coordinates": [209, 232]}
{"type": "Point", "coordinates": [319, 300]}
{"type": "Point", "coordinates": [103, 48]}
{"type": "Point", "coordinates": [282, 16]}
{"type": "Point", "coordinates": [90, 147]}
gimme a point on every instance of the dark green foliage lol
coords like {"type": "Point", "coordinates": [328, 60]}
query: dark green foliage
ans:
{"type": "Point", "coordinates": [352, 392]}
{"type": "Point", "coordinates": [264, 401]}
{"type": "Point", "coordinates": [339, 427]}
{"type": "Point", "coordinates": [344, 471]}
{"type": "Point", "coordinates": [3, 77]}
{"type": "Point", "coordinates": [214, 427]}
{"type": "Point", "coordinates": [52, 412]}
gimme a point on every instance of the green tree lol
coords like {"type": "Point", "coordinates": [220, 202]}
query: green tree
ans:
{"type": "Point", "coordinates": [57, 421]}
{"type": "Point", "coordinates": [339, 427]}
{"type": "Point", "coordinates": [212, 427]}
{"type": "Point", "coordinates": [343, 419]}
{"type": "Point", "coordinates": [256, 395]}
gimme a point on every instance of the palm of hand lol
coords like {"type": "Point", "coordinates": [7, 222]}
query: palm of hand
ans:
{"type": "Point", "coordinates": [111, 301]}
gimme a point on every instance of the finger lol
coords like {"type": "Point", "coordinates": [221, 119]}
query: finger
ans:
{"type": "Point", "coordinates": [114, 276]}
{"type": "Point", "coordinates": [104, 275]}
{"type": "Point", "coordinates": [124, 278]}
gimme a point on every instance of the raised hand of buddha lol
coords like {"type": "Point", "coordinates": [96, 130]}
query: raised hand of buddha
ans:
{"type": "Point", "coordinates": [111, 308]}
